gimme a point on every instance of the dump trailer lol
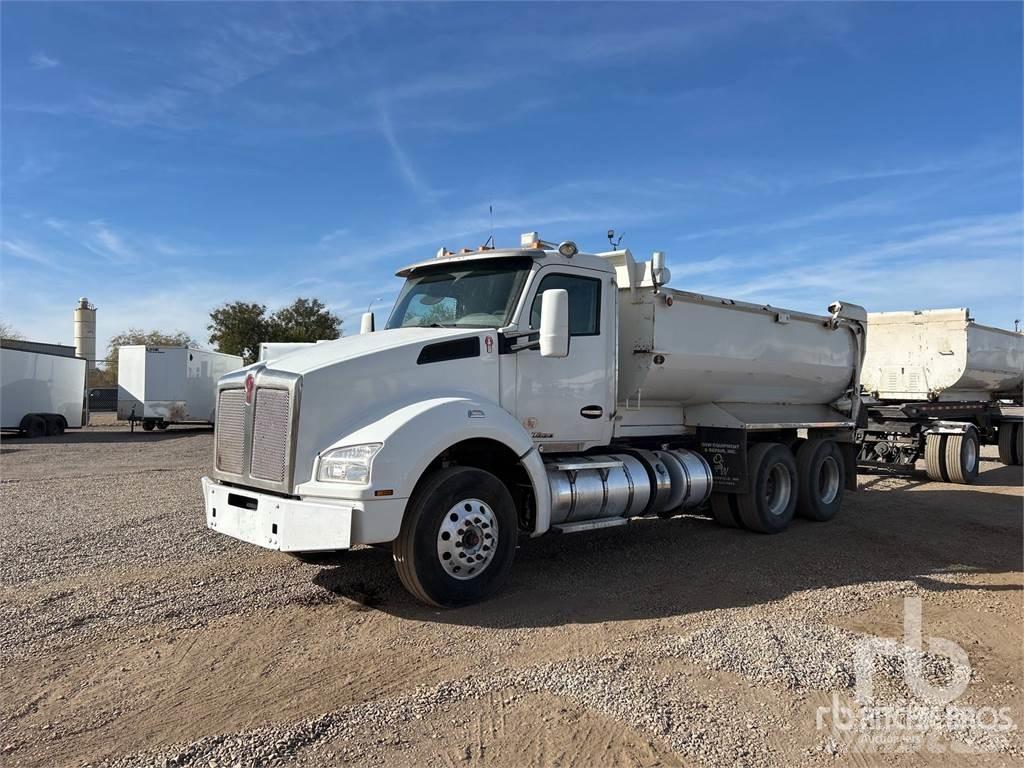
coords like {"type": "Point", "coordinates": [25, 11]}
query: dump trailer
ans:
{"type": "Point", "coordinates": [42, 390]}
{"type": "Point", "coordinates": [938, 386]}
{"type": "Point", "coordinates": [160, 386]}
{"type": "Point", "coordinates": [536, 390]}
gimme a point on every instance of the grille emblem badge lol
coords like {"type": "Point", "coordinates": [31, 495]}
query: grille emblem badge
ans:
{"type": "Point", "coordinates": [250, 385]}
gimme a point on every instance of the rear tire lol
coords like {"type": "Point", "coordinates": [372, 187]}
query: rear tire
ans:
{"type": "Point", "coordinates": [33, 426]}
{"type": "Point", "coordinates": [963, 452]}
{"type": "Point", "coordinates": [934, 453]}
{"type": "Point", "coordinates": [1009, 443]}
{"type": "Point", "coordinates": [821, 479]}
{"type": "Point", "coordinates": [148, 426]}
{"type": "Point", "coordinates": [458, 537]}
{"type": "Point", "coordinates": [52, 425]}
{"type": "Point", "coordinates": [771, 503]}
{"type": "Point", "coordinates": [162, 425]}
{"type": "Point", "coordinates": [723, 510]}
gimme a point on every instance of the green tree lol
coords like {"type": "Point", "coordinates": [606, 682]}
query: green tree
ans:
{"type": "Point", "coordinates": [305, 320]}
{"type": "Point", "coordinates": [238, 328]}
{"type": "Point", "coordinates": [132, 337]}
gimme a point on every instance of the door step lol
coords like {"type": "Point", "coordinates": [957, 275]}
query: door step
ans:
{"type": "Point", "coordinates": [590, 525]}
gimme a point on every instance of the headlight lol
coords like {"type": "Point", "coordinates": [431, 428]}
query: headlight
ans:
{"type": "Point", "coordinates": [348, 465]}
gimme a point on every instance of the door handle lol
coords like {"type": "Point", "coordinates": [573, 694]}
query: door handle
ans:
{"type": "Point", "coordinates": [591, 411]}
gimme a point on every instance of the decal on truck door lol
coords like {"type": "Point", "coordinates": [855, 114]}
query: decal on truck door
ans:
{"type": "Point", "coordinates": [726, 452]}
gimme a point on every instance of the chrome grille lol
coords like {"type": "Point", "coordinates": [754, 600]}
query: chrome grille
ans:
{"type": "Point", "coordinates": [270, 434]}
{"type": "Point", "coordinates": [231, 431]}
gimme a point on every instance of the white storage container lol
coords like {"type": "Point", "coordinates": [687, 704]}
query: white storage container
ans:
{"type": "Point", "coordinates": [35, 382]}
{"type": "Point", "coordinates": [170, 385]}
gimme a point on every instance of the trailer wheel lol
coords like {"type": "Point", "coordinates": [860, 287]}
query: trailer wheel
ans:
{"type": "Point", "coordinates": [962, 456]}
{"type": "Point", "coordinates": [33, 426]}
{"type": "Point", "coordinates": [1009, 443]}
{"type": "Point", "coordinates": [934, 453]}
{"type": "Point", "coordinates": [458, 537]}
{"type": "Point", "coordinates": [821, 478]}
{"type": "Point", "coordinates": [723, 510]}
{"type": "Point", "coordinates": [148, 426]}
{"type": "Point", "coordinates": [162, 425]}
{"type": "Point", "coordinates": [770, 505]}
{"type": "Point", "coordinates": [62, 424]}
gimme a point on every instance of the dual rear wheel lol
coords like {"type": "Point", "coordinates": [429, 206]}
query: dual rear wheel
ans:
{"type": "Point", "coordinates": [953, 458]}
{"type": "Point", "coordinates": [809, 484]}
{"type": "Point", "coordinates": [1011, 443]}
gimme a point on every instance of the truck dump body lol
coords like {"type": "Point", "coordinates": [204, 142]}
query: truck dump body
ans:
{"type": "Point", "coordinates": [941, 354]}
{"type": "Point", "coordinates": [686, 348]}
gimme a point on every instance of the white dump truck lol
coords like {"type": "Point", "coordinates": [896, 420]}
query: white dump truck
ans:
{"type": "Point", "coordinates": [938, 386]}
{"type": "Point", "coordinates": [160, 386]}
{"type": "Point", "coordinates": [535, 390]}
{"type": "Point", "coordinates": [43, 388]}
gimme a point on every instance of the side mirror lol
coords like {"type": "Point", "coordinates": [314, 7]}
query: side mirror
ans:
{"type": "Point", "coordinates": [554, 323]}
{"type": "Point", "coordinates": [366, 324]}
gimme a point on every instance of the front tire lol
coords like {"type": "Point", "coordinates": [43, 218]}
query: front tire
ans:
{"type": "Point", "coordinates": [458, 537]}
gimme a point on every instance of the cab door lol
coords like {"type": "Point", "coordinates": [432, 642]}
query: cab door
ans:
{"type": "Point", "coordinates": [566, 404]}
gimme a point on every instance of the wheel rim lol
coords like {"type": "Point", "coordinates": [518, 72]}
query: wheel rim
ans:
{"type": "Point", "coordinates": [970, 454]}
{"type": "Point", "coordinates": [778, 491]}
{"type": "Point", "coordinates": [468, 539]}
{"type": "Point", "coordinates": [828, 480]}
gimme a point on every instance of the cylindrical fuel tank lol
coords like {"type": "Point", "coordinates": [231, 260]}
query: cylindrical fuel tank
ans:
{"type": "Point", "coordinates": [941, 354]}
{"type": "Point", "coordinates": [594, 487]}
{"type": "Point", "coordinates": [685, 348]}
{"type": "Point", "coordinates": [626, 484]}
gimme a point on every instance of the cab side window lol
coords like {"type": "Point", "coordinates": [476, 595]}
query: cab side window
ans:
{"type": "Point", "coordinates": [584, 303]}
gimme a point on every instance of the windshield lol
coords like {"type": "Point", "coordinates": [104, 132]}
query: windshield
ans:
{"type": "Point", "coordinates": [461, 296]}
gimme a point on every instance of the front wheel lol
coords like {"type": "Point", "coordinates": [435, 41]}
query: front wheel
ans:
{"type": "Point", "coordinates": [458, 537]}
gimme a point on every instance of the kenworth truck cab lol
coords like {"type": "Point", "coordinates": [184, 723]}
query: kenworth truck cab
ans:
{"type": "Point", "coordinates": [530, 390]}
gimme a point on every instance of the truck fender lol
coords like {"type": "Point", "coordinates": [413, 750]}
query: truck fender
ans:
{"type": "Point", "coordinates": [412, 436]}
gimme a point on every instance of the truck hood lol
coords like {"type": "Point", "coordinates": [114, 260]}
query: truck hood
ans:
{"type": "Point", "coordinates": [353, 382]}
{"type": "Point", "coordinates": [349, 348]}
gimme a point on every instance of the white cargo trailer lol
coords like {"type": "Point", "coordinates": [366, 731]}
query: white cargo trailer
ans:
{"type": "Point", "coordinates": [939, 386]}
{"type": "Point", "coordinates": [160, 386]}
{"type": "Point", "coordinates": [540, 390]}
{"type": "Point", "coordinates": [42, 393]}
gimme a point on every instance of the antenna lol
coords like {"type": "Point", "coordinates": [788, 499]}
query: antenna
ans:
{"type": "Point", "coordinates": [613, 241]}
{"type": "Point", "coordinates": [372, 302]}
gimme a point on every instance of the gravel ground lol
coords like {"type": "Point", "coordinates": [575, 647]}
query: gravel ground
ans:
{"type": "Point", "coordinates": [132, 635]}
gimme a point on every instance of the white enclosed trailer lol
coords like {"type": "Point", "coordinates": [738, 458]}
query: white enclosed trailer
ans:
{"type": "Point", "coordinates": [160, 386]}
{"type": "Point", "coordinates": [939, 386]}
{"type": "Point", "coordinates": [42, 393]}
{"type": "Point", "coordinates": [537, 389]}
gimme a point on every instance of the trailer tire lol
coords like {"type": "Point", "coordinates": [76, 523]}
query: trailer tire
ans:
{"type": "Point", "coordinates": [723, 510]}
{"type": "Point", "coordinates": [162, 425]}
{"type": "Point", "coordinates": [771, 503]}
{"type": "Point", "coordinates": [454, 511]}
{"type": "Point", "coordinates": [1009, 443]}
{"type": "Point", "coordinates": [33, 426]}
{"type": "Point", "coordinates": [963, 453]}
{"type": "Point", "coordinates": [148, 426]}
{"type": "Point", "coordinates": [821, 478]}
{"type": "Point", "coordinates": [934, 457]}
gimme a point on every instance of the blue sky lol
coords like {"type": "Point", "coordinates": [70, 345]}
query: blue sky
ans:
{"type": "Point", "coordinates": [164, 158]}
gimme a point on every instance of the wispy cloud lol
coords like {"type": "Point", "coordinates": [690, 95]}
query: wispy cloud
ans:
{"type": "Point", "coordinates": [39, 60]}
{"type": "Point", "coordinates": [21, 249]}
{"type": "Point", "coordinates": [406, 170]}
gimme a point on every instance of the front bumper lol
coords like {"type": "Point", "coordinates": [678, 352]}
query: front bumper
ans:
{"type": "Point", "coordinates": [273, 522]}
